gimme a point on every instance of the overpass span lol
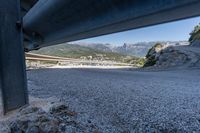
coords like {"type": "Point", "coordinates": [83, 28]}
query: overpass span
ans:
{"type": "Point", "coordinates": [51, 22]}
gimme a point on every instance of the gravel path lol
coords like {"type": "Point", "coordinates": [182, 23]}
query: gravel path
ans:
{"type": "Point", "coordinates": [123, 101]}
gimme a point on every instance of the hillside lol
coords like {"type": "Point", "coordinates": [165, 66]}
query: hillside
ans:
{"type": "Point", "coordinates": [139, 49]}
{"type": "Point", "coordinates": [87, 53]}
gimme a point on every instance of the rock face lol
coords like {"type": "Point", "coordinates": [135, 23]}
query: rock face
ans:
{"type": "Point", "coordinates": [173, 56]}
{"type": "Point", "coordinates": [195, 36]}
{"type": "Point", "coordinates": [152, 56]}
{"type": "Point", "coordinates": [195, 43]}
{"type": "Point", "coordinates": [59, 119]}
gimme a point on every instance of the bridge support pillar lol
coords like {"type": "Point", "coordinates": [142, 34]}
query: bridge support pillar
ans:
{"type": "Point", "coordinates": [13, 83]}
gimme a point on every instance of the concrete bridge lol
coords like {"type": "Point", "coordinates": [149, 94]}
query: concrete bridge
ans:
{"type": "Point", "coordinates": [40, 23]}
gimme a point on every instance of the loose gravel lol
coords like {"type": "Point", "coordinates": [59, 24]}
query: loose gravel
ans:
{"type": "Point", "coordinates": [125, 101]}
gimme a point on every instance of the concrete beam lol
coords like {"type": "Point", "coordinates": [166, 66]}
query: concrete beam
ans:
{"type": "Point", "coordinates": [13, 84]}
{"type": "Point", "coordinates": [50, 22]}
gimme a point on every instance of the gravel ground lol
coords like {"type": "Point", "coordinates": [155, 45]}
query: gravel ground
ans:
{"type": "Point", "coordinates": [123, 101]}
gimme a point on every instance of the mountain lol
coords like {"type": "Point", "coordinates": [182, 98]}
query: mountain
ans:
{"type": "Point", "coordinates": [138, 49]}
{"type": "Point", "coordinates": [99, 46]}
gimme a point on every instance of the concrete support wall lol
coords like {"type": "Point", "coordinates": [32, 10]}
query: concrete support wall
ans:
{"type": "Point", "coordinates": [13, 82]}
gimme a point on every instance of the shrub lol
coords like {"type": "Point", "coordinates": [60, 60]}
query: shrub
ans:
{"type": "Point", "coordinates": [195, 34]}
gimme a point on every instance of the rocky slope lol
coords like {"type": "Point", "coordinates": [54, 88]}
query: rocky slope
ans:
{"type": "Point", "coordinates": [195, 36]}
{"type": "Point", "coordinates": [161, 55]}
{"type": "Point", "coordinates": [173, 56]}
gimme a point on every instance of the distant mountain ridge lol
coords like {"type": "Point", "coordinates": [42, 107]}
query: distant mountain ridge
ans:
{"type": "Point", "coordinates": [137, 49]}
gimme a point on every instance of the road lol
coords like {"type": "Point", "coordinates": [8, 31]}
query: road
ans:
{"type": "Point", "coordinates": [125, 100]}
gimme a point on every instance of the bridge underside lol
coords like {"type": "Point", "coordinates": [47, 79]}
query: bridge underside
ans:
{"type": "Point", "coordinates": [51, 22]}
{"type": "Point", "coordinates": [13, 84]}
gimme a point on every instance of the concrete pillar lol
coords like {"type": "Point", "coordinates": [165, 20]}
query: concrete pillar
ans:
{"type": "Point", "coordinates": [13, 83]}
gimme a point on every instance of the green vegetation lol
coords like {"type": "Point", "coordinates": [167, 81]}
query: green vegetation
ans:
{"type": "Point", "coordinates": [151, 55]}
{"type": "Point", "coordinates": [150, 62]}
{"type": "Point", "coordinates": [69, 51]}
{"type": "Point", "coordinates": [157, 45]}
{"type": "Point", "coordinates": [81, 52]}
{"type": "Point", "coordinates": [135, 61]}
{"type": "Point", "coordinates": [195, 34]}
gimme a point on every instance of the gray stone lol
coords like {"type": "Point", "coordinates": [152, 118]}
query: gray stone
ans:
{"type": "Point", "coordinates": [195, 43]}
{"type": "Point", "coordinates": [33, 129]}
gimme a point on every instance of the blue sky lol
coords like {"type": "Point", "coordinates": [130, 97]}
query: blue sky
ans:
{"type": "Point", "coordinates": [173, 31]}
